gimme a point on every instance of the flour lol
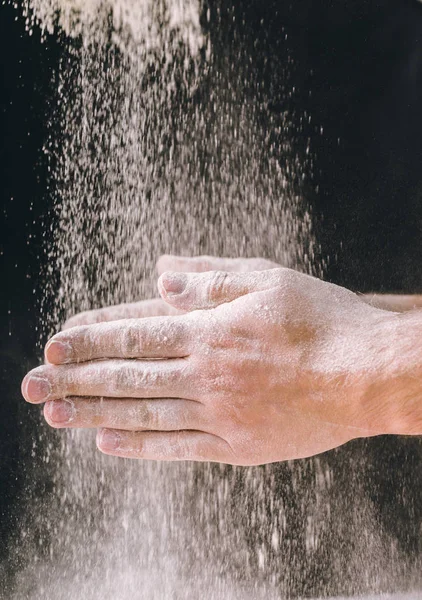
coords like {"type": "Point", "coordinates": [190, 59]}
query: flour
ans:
{"type": "Point", "coordinates": [136, 26]}
{"type": "Point", "coordinates": [163, 150]}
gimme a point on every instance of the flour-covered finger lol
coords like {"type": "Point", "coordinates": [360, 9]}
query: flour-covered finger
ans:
{"type": "Point", "coordinates": [170, 446]}
{"type": "Point", "coordinates": [132, 310]}
{"type": "Point", "coordinates": [196, 291]}
{"type": "Point", "coordinates": [172, 378]}
{"type": "Point", "coordinates": [154, 337]}
{"type": "Point", "coordinates": [127, 414]}
{"type": "Point", "coordinates": [394, 302]}
{"type": "Point", "coordinates": [189, 264]}
{"type": "Point", "coordinates": [201, 264]}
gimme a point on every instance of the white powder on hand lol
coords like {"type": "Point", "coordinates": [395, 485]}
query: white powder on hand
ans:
{"type": "Point", "coordinates": [163, 150]}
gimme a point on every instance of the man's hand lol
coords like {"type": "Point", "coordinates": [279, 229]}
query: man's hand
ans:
{"type": "Point", "coordinates": [262, 367]}
{"type": "Point", "coordinates": [200, 264]}
{"type": "Point", "coordinates": [157, 307]}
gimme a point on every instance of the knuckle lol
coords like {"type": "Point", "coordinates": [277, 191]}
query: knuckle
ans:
{"type": "Point", "coordinates": [216, 286]}
{"type": "Point", "coordinates": [148, 416]}
{"type": "Point", "coordinates": [206, 369]}
{"type": "Point", "coordinates": [176, 331]}
{"type": "Point", "coordinates": [209, 374]}
{"type": "Point", "coordinates": [130, 341]}
{"type": "Point", "coordinates": [124, 378]}
{"type": "Point", "coordinates": [226, 338]}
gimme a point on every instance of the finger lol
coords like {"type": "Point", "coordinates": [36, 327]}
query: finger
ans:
{"type": "Point", "coordinates": [113, 378]}
{"type": "Point", "coordinates": [201, 264]}
{"type": "Point", "coordinates": [394, 302]}
{"type": "Point", "coordinates": [190, 264]}
{"type": "Point", "coordinates": [155, 337]}
{"type": "Point", "coordinates": [189, 291]}
{"type": "Point", "coordinates": [170, 446]}
{"type": "Point", "coordinates": [126, 414]}
{"type": "Point", "coordinates": [133, 310]}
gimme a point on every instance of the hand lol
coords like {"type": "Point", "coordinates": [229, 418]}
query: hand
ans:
{"type": "Point", "coordinates": [269, 366]}
{"type": "Point", "coordinates": [157, 307]}
{"type": "Point", "coordinates": [200, 264]}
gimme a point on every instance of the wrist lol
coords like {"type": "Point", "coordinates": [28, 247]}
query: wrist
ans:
{"type": "Point", "coordinates": [390, 390]}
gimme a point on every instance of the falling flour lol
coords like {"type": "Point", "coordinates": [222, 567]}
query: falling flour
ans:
{"type": "Point", "coordinates": [166, 145]}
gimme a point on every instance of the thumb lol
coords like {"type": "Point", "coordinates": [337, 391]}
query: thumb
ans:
{"type": "Point", "coordinates": [195, 291]}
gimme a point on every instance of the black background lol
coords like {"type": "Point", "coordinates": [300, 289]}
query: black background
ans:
{"type": "Point", "coordinates": [27, 70]}
{"type": "Point", "coordinates": [363, 62]}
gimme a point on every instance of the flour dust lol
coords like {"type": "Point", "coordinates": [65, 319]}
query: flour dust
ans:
{"type": "Point", "coordinates": [168, 144]}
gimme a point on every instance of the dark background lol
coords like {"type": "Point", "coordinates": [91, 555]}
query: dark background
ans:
{"type": "Point", "coordinates": [363, 63]}
{"type": "Point", "coordinates": [27, 70]}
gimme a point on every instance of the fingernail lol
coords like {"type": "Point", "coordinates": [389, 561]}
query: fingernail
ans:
{"type": "Point", "coordinates": [174, 283]}
{"type": "Point", "coordinates": [60, 411]}
{"type": "Point", "coordinates": [58, 352]}
{"type": "Point", "coordinates": [108, 440]}
{"type": "Point", "coordinates": [36, 389]}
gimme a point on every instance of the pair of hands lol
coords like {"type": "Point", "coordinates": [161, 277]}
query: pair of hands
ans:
{"type": "Point", "coordinates": [239, 362]}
